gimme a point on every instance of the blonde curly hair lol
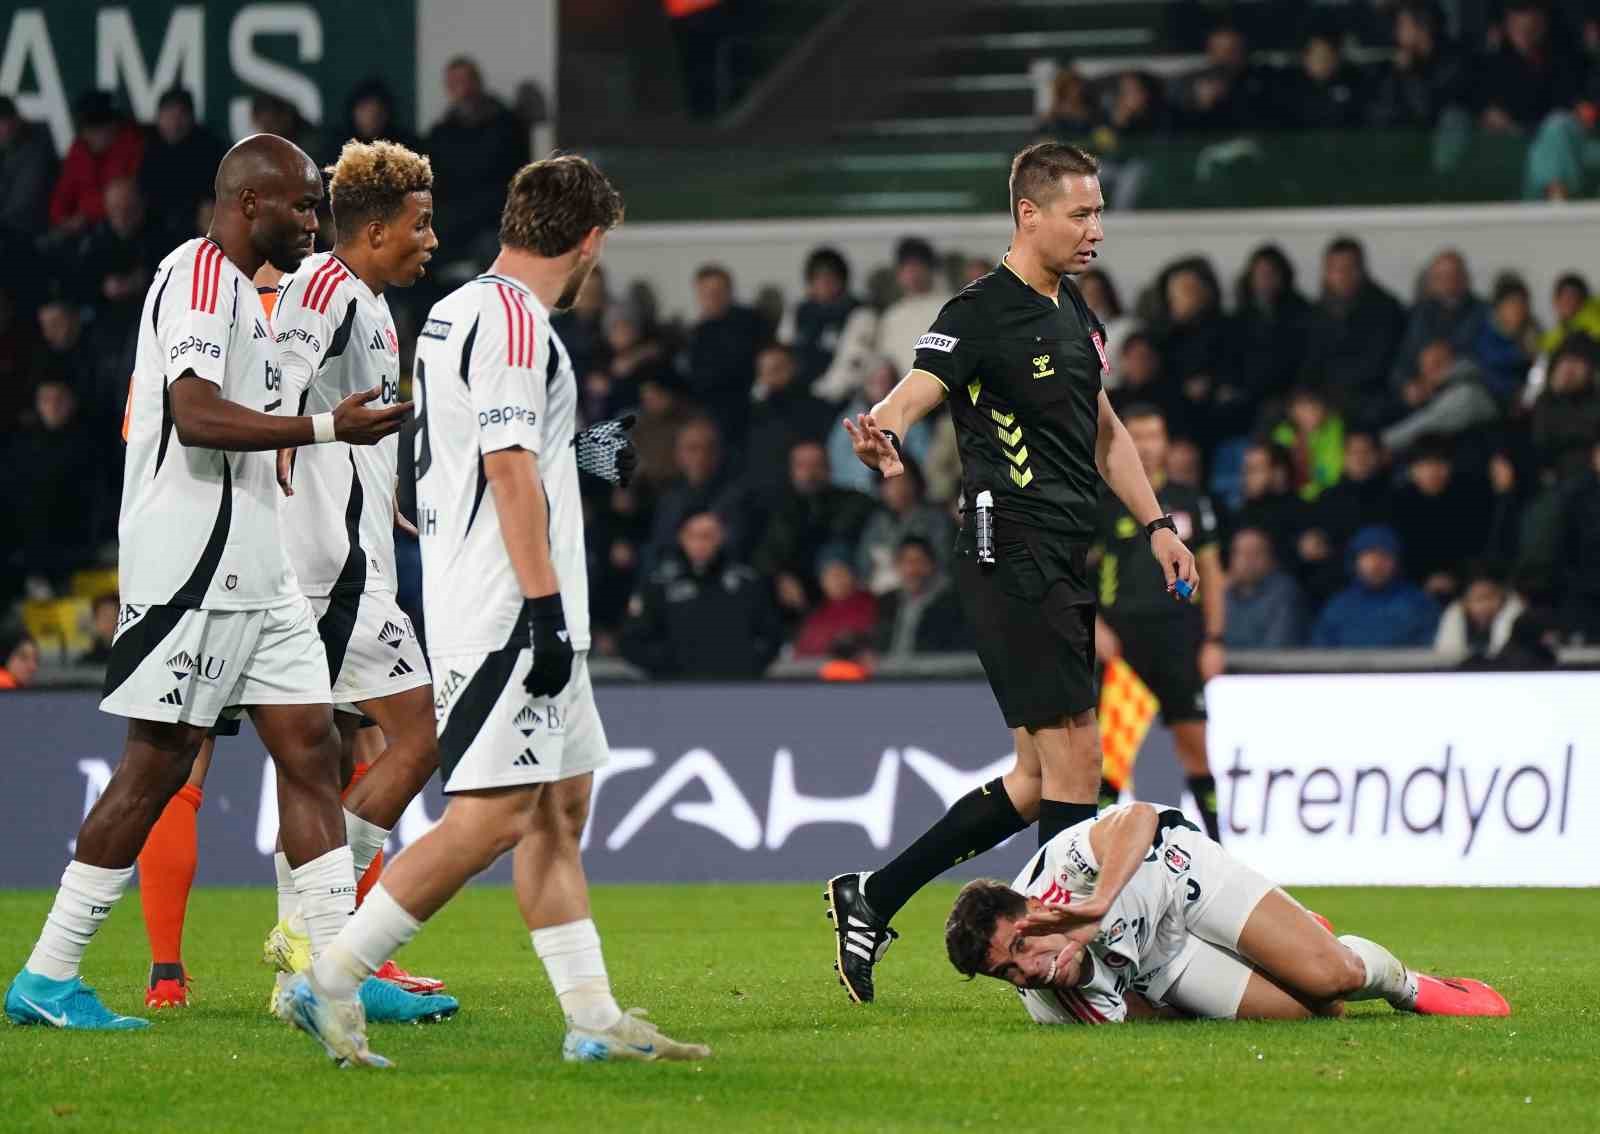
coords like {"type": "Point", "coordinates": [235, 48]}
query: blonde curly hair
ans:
{"type": "Point", "coordinates": [371, 180]}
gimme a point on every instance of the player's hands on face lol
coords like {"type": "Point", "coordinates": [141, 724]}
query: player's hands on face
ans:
{"type": "Point", "coordinates": [1177, 561]}
{"type": "Point", "coordinates": [551, 646]}
{"type": "Point", "coordinates": [286, 470]}
{"type": "Point", "coordinates": [871, 447]}
{"type": "Point", "coordinates": [355, 423]}
{"type": "Point", "coordinates": [1079, 920]}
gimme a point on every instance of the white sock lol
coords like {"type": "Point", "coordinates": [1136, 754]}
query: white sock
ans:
{"type": "Point", "coordinates": [1386, 976]}
{"type": "Point", "coordinates": [381, 926]}
{"type": "Point", "coordinates": [577, 972]}
{"type": "Point", "coordinates": [365, 840]}
{"type": "Point", "coordinates": [84, 900]}
{"type": "Point", "coordinates": [327, 890]}
{"type": "Point", "coordinates": [288, 896]}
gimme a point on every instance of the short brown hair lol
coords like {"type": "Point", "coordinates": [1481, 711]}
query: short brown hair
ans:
{"type": "Point", "coordinates": [1037, 170]}
{"type": "Point", "coordinates": [371, 180]}
{"type": "Point", "coordinates": [970, 927]}
{"type": "Point", "coordinates": [553, 203]}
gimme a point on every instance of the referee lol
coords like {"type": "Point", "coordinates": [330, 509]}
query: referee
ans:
{"type": "Point", "coordinates": [1175, 648]}
{"type": "Point", "coordinates": [1019, 357]}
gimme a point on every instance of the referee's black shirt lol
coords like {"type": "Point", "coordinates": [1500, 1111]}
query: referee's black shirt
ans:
{"type": "Point", "coordinates": [1131, 582]}
{"type": "Point", "coordinates": [1023, 378]}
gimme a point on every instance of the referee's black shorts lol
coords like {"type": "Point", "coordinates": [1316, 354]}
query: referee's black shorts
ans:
{"type": "Point", "coordinates": [1164, 650]}
{"type": "Point", "coordinates": [1032, 615]}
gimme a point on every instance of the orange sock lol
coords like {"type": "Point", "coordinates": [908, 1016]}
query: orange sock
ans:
{"type": "Point", "coordinates": [369, 879]}
{"type": "Point", "coordinates": [166, 874]}
{"type": "Point", "coordinates": [355, 778]}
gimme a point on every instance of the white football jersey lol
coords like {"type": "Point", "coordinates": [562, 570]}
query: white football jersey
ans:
{"type": "Point", "coordinates": [338, 338]}
{"type": "Point", "coordinates": [199, 527]}
{"type": "Point", "coordinates": [490, 375]}
{"type": "Point", "coordinates": [1142, 933]}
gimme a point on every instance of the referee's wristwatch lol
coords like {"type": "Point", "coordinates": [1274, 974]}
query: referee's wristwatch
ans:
{"type": "Point", "coordinates": [1160, 522]}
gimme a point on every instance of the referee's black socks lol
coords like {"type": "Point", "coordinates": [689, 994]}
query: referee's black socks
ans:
{"type": "Point", "coordinates": [1204, 790]}
{"type": "Point", "coordinates": [1057, 815]}
{"type": "Point", "coordinates": [979, 820]}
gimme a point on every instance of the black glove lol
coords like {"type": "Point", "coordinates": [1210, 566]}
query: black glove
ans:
{"type": "Point", "coordinates": [605, 451]}
{"type": "Point", "coordinates": [550, 644]}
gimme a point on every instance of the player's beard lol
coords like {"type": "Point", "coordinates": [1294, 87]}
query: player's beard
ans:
{"type": "Point", "coordinates": [574, 284]}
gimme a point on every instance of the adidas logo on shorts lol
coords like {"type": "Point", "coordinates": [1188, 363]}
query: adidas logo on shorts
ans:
{"type": "Point", "coordinates": [391, 635]}
{"type": "Point", "coordinates": [527, 720]}
{"type": "Point", "coordinates": [400, 669]}
{"type": "Point", "coordinates": [172, 698]}
{"type": "Point", "coordinates": [526, 760]}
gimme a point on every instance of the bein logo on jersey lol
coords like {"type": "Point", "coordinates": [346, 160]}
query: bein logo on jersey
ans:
{"type": "Point", "coordinates": [506, 415]}
{"type": "Point", "coordinates": [184, 664]}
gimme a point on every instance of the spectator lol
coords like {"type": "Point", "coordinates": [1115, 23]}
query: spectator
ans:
{"type": "Point", "coordinates": [273, 114]}
{"type": "Point", "coordinates": [1440, 517]}
{"type": "Point", "coordinates": [1140, 380]}
{"type": "Point", "coordinates": [582, 331]}
{"type": "Point", "coordinates": [1448, 396]}
{"type": "Point", "coordinates": [370, 117]}
{"type": "Point", "coordinates": [848, 471]}
{"type": "Point", "coordinates": [1193, 335]}
{"type": "Point", "coordinates": [1185, 464]}
{"type": "Point", "coordinates": [57, 479]}
{"type": "Point", "coordinates": [1270, 324]}
{"type": "Point", "coordinates": [1530, 75]}
{"type": "Point", "coordinates": [813, 327]}
{"type": "Point", "coordinates": [1566, 417]}
{"type": "Point", "coordinates": [811, 515]}
{"type": "Point", "coordinates": [784, 414]}
{"type": "Point", "coordinates": [923, 614]}
{"type": "Point", "coordinates": [1446, 309]}
{"type": "Point", "coordinates": [1265, 608]}
{"type": "Point", "coordinates": [17, 351]}
{"type": "Point", "coordinates": [906, 514]}
{"type": "Point", "coordinates": [704, 484]}
{"type": "Point", "coordinates": [103, 617]}
{"type": "Point", "coordinates": [1578, 552]}
{"type": "Point", "coordinates": [1227, 93]}
{"type": "Point", "coordinates": [475, 147]}
{"type": "Point", "coordinates": [1533, 646]}
{"type": "Point", "coordinates": [904, 321]}
{"type": "Point", "coordinates": [846, 610]}
{"type": "Point", "coordinates": [633, 357]}
{"type": "Point", "coordinates": [1269, 500]}
{"type": "Point", "coordinates": [1364, 495]}
{"type": "Point", "coordinates": [107, 147]}
{"type": "Point", "coordinates": [1100, 293]}
{"type": "Point", "coordinates": [721, 353]}
{"type": "Point", "coordinates": [1073, 113]}
{"type": "Point", "coordinates": [1355, 329]}
{"type": "Point", "coordinates": [1576, 311]}
{"type": "Point", "coordinates": [63, 353]}
{"type": "Point", "coordinates": [1325, 94]}
{"type": "Point", "coordinates": [1478, 624]}
{"type": "Point", "coordinates": [1139, 106]}
{"type": "Point", "coordinates": [19, 659]}
{"type": "Point", "coordinates": [1314, 436]}
{"type": "Point", "coordinates": [1379, 608]}
{"type": "Point", "coordinates": [1427, 77]}
{"type": "Point", "coordinates": [702, 613]}
{"type": "Point", "coordinates": [120, 253]}
{"type": "Point", "coordinates": [27, 171]}
{"type": "Point", "coordinates": [655, 434]}
{"type": "Point", "coordinates": [1508, 340]}
{"type": "Point", "coordinates": [180, 160]}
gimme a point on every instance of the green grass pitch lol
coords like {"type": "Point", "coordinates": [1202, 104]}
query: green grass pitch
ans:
{"type": "Point", "coordinates": [747, 970]}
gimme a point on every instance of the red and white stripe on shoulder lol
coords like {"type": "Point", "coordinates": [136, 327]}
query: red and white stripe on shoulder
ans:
{"type": "Point", "coordinates": [1075, 1002]}
{"type": "Point", "coordinates": [207, 275]}
{"type": "Point", "coordinates": [320, 287]}
{"type": "Point", "coordinates": [522, 331]}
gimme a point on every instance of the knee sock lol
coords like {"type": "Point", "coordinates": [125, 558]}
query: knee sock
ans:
{"type": "Point", "coordinates": [1386, 976]}
{"type": "Point", "coordinates": [288, 896]}
{"type": "Point", "coordinates": [369, 879]}
{"type": "Point", "coordinates": [379, 929]}
{"type": "Point", "coordinates": [1057, 815]}
{"type": "Point", "coordinates": [327, 889]}
{"type": "Point", "coordinates": [166, 875]}
{"type": "Point", "coordinates": [979, 820]}
{"type": "Point", "coordinates": [577, 972]}
{"type": "Point", "coordinates": [84, 900]}
{"type": "Point", "coordinates": [365, 839]}
{"type": "Point", "coordinates": [1204, 790]}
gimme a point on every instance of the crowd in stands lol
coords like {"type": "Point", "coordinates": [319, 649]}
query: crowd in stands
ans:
{"type": "Point", "coordinates": [1532, 69]}
{"type": "Point", "coordinates": [1419, 471]}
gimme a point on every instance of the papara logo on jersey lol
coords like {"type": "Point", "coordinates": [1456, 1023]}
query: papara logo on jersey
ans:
{"type": "Point", "coordinates": [303, 336]}
{"type": "Point", "coordinates": [183, 664]}
{"type": "Point", "coordinates": [945, 343]}
{"type": "Point", "coordinates": [197, 345]}
{"type": "Point", "coordinates": [506, 415]}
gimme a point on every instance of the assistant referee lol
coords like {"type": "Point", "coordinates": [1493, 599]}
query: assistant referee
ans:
{"type": "Point", "coordinates": [1019, 357]}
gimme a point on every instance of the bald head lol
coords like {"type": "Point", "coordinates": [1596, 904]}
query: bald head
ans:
{"type": "Point", "coordinates": [268, 191]}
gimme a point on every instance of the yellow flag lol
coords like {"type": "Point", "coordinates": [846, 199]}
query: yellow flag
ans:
{"type": "Point", "coordinates": [1126, 709]}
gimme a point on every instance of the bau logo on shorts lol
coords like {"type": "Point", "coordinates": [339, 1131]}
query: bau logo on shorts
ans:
{"type": "Point", "coordinates": [184, 664]}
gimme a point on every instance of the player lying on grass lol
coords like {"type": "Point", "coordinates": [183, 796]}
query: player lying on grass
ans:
{"type": "Point", "coordinates": [1137, 910]}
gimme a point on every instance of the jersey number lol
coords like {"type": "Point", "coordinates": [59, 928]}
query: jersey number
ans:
{"type": "Point", "coordinates": [419, 394]}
